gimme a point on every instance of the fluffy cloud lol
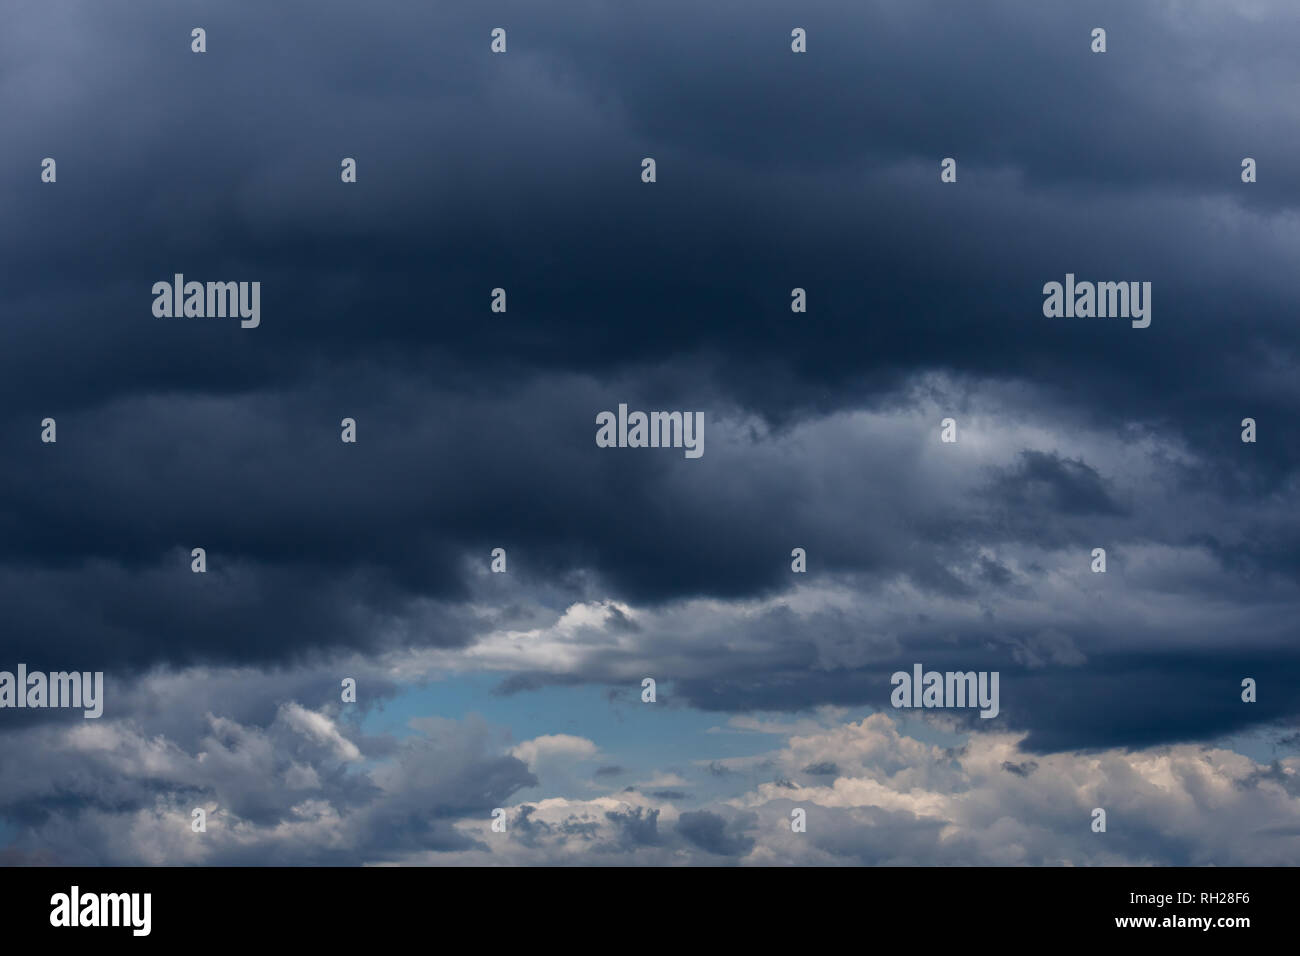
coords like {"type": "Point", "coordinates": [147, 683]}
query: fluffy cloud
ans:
{"type": "Point", "coordinates": [306, 789]}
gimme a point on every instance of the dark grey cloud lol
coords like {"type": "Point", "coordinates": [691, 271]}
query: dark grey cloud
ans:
{"type": "Point", "coordinates": [1046, 482]}
{"type": "Point", "coordinates": [636, 827]}
{"type": "Point", "coordinates": [716, 834]}
{"type": "Point", "coordinates": [825, 768]}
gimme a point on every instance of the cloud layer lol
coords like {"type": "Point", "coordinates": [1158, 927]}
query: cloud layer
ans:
{"type": "Point", "coordinates": [475, 429]}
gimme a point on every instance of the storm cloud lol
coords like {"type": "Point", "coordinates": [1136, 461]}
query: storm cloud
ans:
{"type": "Point", "coordinates": [475, 428]}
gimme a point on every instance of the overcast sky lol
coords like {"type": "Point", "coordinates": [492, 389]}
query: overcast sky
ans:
{"type": "Point", "coordinates": [475, 431]}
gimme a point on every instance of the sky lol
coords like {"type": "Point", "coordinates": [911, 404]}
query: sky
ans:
{"type": "Point", "coordinates": [521, 691]}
